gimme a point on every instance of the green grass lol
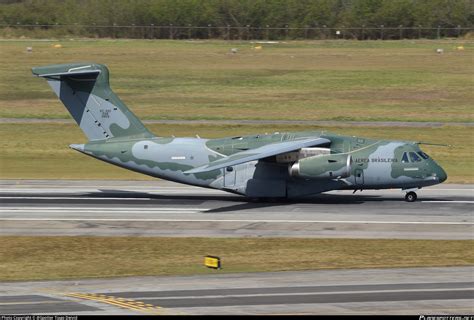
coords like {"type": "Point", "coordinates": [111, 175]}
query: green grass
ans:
{"type": "Point", "coordinates": [41, 258]}
{"type": "Point", "coordinates": [311, 80]}
{"type": "Point", "coordinates": [40, 150]}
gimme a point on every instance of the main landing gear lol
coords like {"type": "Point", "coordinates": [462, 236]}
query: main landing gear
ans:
{"type": "Point", "coordinates": [411, 196]}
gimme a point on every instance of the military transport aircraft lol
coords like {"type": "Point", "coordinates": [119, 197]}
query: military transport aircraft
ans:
{"type": "Point", "coordinates": [262, 166]}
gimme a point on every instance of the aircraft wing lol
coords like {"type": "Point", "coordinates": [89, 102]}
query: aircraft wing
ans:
{"type": "Point", "coordinates": [259, 153]}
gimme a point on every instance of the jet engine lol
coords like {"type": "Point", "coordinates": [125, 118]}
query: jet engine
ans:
{"type": "Point", "coordinates": [328, 166]}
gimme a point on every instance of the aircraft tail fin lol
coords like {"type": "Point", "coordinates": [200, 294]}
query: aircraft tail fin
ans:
{"type": "Point", "coordinates": [85, 91]}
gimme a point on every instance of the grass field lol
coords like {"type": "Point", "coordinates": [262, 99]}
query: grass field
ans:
{"type": "Point", "coordinates": [32, 258]}
{"type": "Point", "coordinates": [40, 151]}
{"type": "Point", "coordinates": [310, 80]}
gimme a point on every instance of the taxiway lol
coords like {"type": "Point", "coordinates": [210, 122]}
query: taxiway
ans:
{"type": "Point", "coordinates": [370, 291]}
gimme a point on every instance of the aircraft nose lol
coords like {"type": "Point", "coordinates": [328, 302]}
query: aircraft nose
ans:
{"type": "Point", "coordinates": [440, 173]}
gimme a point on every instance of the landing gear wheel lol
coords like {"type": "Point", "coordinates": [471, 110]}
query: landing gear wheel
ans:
{"type": "Point", "coordinates": [411, 196]}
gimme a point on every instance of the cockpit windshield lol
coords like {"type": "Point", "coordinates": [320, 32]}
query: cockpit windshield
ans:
{"type": "Point", "coordinates": [414, 157]}
{"type": "Point", "coordinates": [411, 156]}
{"type": "Point", "coordinates": [405, 158]}
{"type": "Point", "coordinates": [423, 155]}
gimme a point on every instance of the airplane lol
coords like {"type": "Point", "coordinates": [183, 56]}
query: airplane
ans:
{"type": "Point", "coordinates": [265, 167]}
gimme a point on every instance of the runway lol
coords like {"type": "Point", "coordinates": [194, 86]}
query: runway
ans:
{"type": "Point", "coordinates": [161, 208]}
{"type": "Point", "coordinates": [370, 291]}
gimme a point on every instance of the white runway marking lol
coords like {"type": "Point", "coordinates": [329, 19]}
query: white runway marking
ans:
{"type": "Point", "coordinates": [80, 197]}
{"type": "Point", "coordinates": [304, 293]}
{"type": "Point", "coordinates": [135, 187]}
{"type": "Point", "coordinates": [101, 209]}
{"type": "Point", "coordinates": [239, 220]}
{"type": "Point", "coordinates": [100, 189]}
{"type": "Point", "coordinates": [447, 201]}
{"type": "Point", "coordinates": [76, 198]}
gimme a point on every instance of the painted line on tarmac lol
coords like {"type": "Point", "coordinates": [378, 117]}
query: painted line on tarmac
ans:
{"type": "Point", "coordinates": [447, 201]}
{"type": "Point", "coordinates": [158, 189]}
{"type": "Point", "coordinates": [100, 209]}
{"type": "Point", "coordinates": [109, 190]}
{"type": "Point", "coordinates": [79, 197]}
{"type": "Point", "coordinates": [304, 293]}
{"type": "Point", "coordinates": [40, 189]}
{"type": "Point", "coordinates": [76, 198]}
{"type": "Point", "coordinates": [33, 302]}
{"type": "Point", "coordinates": [237, 220]}
{"type": "Point", "coordinates": [97, 187]}
{"type": "Point", "coordinates": [150, 198]}
{"type": "Point", "coordinates": [449, 189]}
{"type": "Point", "coordinates": [116, 301]}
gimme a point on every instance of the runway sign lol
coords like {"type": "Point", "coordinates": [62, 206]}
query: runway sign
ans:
{"type": "Point", "coordinates": [212, 262]}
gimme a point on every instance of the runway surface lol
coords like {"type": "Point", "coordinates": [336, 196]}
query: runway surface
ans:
{"type": "Point", "coordinates": [160, 208]}
{"type": "Point", "coordinates": [370, 291]}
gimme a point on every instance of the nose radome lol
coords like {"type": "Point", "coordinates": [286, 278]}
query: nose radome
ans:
{"type": "Point", "coordinates": [440, 173]}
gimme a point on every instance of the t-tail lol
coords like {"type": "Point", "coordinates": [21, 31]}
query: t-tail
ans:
{"type": "Point", "coordinates": [85, 92]}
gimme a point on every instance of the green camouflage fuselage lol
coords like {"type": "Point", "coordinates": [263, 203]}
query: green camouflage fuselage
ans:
{"type": "Point", "coordinates": [376, 164]}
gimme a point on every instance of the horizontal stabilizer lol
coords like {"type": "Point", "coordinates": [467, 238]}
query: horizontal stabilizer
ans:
{"type": "Point", "coordinates": [260, 153]}
{"type": "Point", "coordinates": [69, 74]}
{"type": "Point", "coordinates": [66, 70]}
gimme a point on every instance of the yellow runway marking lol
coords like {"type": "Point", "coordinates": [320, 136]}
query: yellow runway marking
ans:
{"type": "Point", "coordinates": [117, 301]}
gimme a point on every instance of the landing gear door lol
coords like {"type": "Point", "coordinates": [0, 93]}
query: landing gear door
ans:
{"type": "Point", "coordinates": [229, 177]}
{"type": "Point", "coordinates": [359, 177]}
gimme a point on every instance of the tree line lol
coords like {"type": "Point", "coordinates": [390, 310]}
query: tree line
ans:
{"type": "Point", "coordinates": [363, 19]}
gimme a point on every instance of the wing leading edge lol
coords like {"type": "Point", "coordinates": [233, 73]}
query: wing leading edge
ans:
{"type": "Point", "coordinates": [260, 153]}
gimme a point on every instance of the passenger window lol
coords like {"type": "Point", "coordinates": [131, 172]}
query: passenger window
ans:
{"type": "Point", "coordinates": [423, 155]}
{"type": "Point", "coordinates": [405, 158]}
{"type": "Point", "coordinates": [414, 157]}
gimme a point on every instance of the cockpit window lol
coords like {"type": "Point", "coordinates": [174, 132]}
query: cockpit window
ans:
{"type": "Point", "coordinates": [423, 155]}
{"type": "Point", "coordinates": [414, 157]}
{"type": "Point", "coordinates": [405, 158]}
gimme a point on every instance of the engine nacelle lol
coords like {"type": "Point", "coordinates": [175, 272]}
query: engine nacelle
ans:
{"type": "Point", "coordinates": [330, 166]}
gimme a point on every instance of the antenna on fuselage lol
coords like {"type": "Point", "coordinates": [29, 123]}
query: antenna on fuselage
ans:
{"type": "Point", "coordinates": [434, 144]}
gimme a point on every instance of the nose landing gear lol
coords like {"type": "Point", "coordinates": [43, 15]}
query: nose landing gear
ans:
{"type": "Point", "coordinates": [411, 196]}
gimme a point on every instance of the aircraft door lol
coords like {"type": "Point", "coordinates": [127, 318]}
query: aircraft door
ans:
{"type": "Point", "coordinates": [229, 176]}
{"type": "Point", "coordinates": [359, 177]}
